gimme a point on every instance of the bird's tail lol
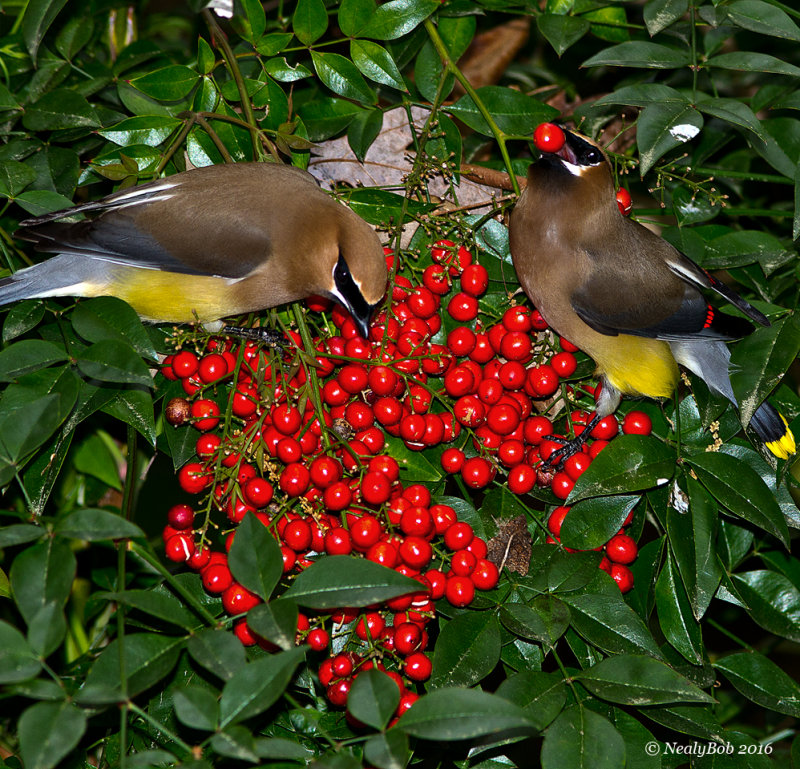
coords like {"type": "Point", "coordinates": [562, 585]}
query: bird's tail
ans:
{"type": "Point", "coordinates": [771, 427]}
{"type": "Point", "coordinates": [63, 275]}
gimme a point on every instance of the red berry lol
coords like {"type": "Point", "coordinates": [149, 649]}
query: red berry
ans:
{"type": "Point", "coordinates": [556, 519]}
{"type": "Point", "coordinates": [622, 549]}
{"type": "Point", "coordinates": [294, 479]}
{"type": "Point", "coordinates": [415, 552]}
{"type": "Point", "coordinates": [474, 280]}
{"type": "Point", "coordinates": [485, 575]}
{"type": "Point", "coordinates": [458, 535]}
{"type": "Point", "coordinates": [237, 599]}
{"type": "Point", "coordinates": [463, 307]}
{"type": "Point", "coordinates": [318, 639]}
{"type": "Point", "coordinates": [548, 137]}
{"type": "Point", "coordinates": [623, 576]}
{"type": "Point", "coordinates": [216, 578]}
{"type": "Point", "coordinates": [624, 202]}
{"type": "Point", "coordinates": [179, 548]}
{"type": "Point", "coordinates": [637, 423]}
{"type": "Point", "coordinates": [418, 667]}
{"type": "Point", "coordinates": [193, 478]}
{"type": "Point", "coordinates": [606, 428]}
{"type": "Point", "coordinates": [180, 517]}
{"type": "Point", "coordinates": [521, 479]}
{"type": "Point", "coordinates": [459, 591]}
{"type": "Point", "coordinates": [477, 472]}
{"type": "Point", "coordinates": [564, 364]}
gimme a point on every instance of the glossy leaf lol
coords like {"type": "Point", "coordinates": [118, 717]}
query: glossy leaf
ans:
{"type": "Point", "coordinates": [675, 615]}
{"type": "Point", "coordinates": [363, 131]}
{"type": "Point", "coordinates": [461, 714]}
{"type": "Point", "coordinates": [197, 708]}
{"type": "Point", "coordinates": [48, 731]}
{"type": "Point", "coordinates": [150, 130]}
{"type": "Point", "coordinates": [663, 127]}
{"type": "Point", "coordinates": [310, 20]}
{"type": "Point", "coordinates": [397, 18]}
{"type": "Point", "coordinates": [342, 580]}
{"type": "Point", "coordinates": [762, 681]}
{"type": "Point", "coordinates": [388, 750]}
{"type": "Point", "coordinates": [17, 660]}
{"type": "Point", "coordinates": [168, 84]}
{"type": "Point", "coordinates": [42, 574]}
{"type": "Point", "coordinates": [157, 603]}
{"type": "Point", "coordinates": [342, 77]}
{"type": "Point", "coordinates": [514, 112]}
{"type": "Point", "coordinates": [573, 740]}
{"type": "Point", "coordinates": [255, 557]}
{"type": "Point", "coordinates": [545, 620]}
{"type": "Point", "coordinates": [376, 63]}
{"type": "Point", "coordinates": [753, 62]}
{"type": "Point", "coordinates": [541, 695]}
{"type": "Point", "coordinates": [111, 360]}
{"type": "Point", "coordinates": [640, 54]}
{"type": "Point", "coordinates": [353, 16]}
{"type": "Point", "coordinates": [628, 463]}
{"type": "Point", "coordinates": [764, 18]}
{"type": "Point", "coordinates": [773, 601]}
{"type": "Point", "coordinates": [373, 698]}
{"type": "Point", "coordinates": [660, 14]}
{"type": "Point", "coordinates": [218, 651]}
{"type": "Point", "coordinates": [276, 621]}
{"type": "Point", "coordinates": [466, 651]}
{"type": "Point", "coordinates": [562, 32]}
{"type": "Point", "coordinates": [592, 522]}
{"type": "Point", "coordinates": [96, 525]}
{"type": "Point", "coordinates": [39, 15]}
{"type": "Point", "coordinates": [28, 355]}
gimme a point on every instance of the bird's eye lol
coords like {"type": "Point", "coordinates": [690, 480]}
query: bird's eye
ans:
{"type": "Point", "coordinates": [592, 157]}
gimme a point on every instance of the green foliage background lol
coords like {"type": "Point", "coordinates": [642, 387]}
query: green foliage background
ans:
{"type": "Point", "coordinates": [563, 671]}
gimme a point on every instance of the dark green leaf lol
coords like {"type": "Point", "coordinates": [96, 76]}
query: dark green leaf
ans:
{"type": "Point", "coordinates": [276, 621]}
{"type": "Point", "coordinates": [545, 620]}
{"type": "Point", "coordinates": [556, 571]}
{"type": "Point", "coordinates": [21, 318]}
{"type": "Point", "coordinates": [741, 490]}
{"type": "Point", "coordinates": [397, 18]}
{"type": "Point", "coordinates": [150, 130]}
{"type": "Point", "coordinates": [342, 77]}
{"type": "Point", "coordinates": [513, 112]}
{"type": "Point", "coordinates": [148, 658]}
{"type": "Point", "coordinates": [638, 680]}
{"type": "Point", "coordinates": [236, 742]}
{"type": "Point", "coordinates": [353, 16]}
{"type": "Point", "coordinates": [37, 202]}
{"type": "Point", "coordinates": [388, 750]}
{"type": "Point", "coordinates": [343, 580]}
{"type": "Point", "coordinates": [762, 681]}
{"type": "Point", "coordinates": [281, 70]}
{"type": "Point", "coordinates": [310, 20]}
{"type": "Point", "coordinates": [376, 63]}
{"type": "Point", "coordinates": [28, 355]}
{"type": "Point", "coordinates": [96, 525]}
{"type": "Point", "coordinates": [765, 18]}
{"type": "Point", "coordinates": [135, 408]}
{"type": "Point", "coordinates": [773, 601]}
{"type": "Point", "coordinates": [196, 707]}
{"type": "Point", "coordinates": [628, 463]}
{"type": "Point", "coordinates": [363, 131]}
{"type": "Point", "coordinates": [114, 361]}
{"type": "Point", "coordinates": [640, 54]}
{"type": "Point", "coordinates": [462, 714]}
{"type": "Point", "coordinates": [562, 32]}
{"type": "Point", "coordinates": [574, 740]}
{"type": "Point", "coordinates": [466, 651]}
{"type": "Point", "coordinates": [39, 15]}
{"type": "Point", "coordinates": [257, 685]}
{"type": "Point", "coordinates": [540, 695]}
{"type": "Point", "coordinates": [157, 603]}
{"type": "Point", "coordinates": [592, 522]}
{"type": "Point", "coordinates": [47, 629]}
{"type": "Point", "coordinates": [15, 177]}
{"type": "Point", "coordinates": [675, 615]}
{"type": "Point", "coordinates": [734, 112]}
{"type": "Point", "coordinates": [255, 557]}
{"type": "Point", "coordinates": [61, 108]}
{"type": "Point", "coordinates": [325, 117]}
{"type": "Point", "coordinates": [660, 14]}
{"type": "Point", "coordinates": [661, 128]}
{"type": "Point", "coordinates": [19, 534]}
{"type": "Point", "coordinates": [373, 698]}
{"type": "Point", "coordinates": [48, 731]}
{"type": "Point", "coordinates": [168, 84]}
{"type": "Point", "coordinates": [218, 651]}
{"type": "Point", "coordinates": [696, 720]}
{"type": "Point", "coordinates": [42, 574]}
{"type": "Point", "coordinates": [749, 61]}
{"type": "Point", "coordinates": [17, 660]}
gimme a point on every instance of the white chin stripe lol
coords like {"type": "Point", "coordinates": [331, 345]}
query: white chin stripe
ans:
{"type": "Point", "coordinates": [572, 168]}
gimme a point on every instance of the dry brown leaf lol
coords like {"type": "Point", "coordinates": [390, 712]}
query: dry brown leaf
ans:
{"type": "Point", "coordinates": [490, 53]}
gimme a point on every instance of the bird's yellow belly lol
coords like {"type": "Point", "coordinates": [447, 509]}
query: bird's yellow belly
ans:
{"type": "Point", "coordinates": [635, 365]}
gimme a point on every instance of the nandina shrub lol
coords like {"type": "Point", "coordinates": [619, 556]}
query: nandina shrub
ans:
{"type": "Point", "coordinates": [356, 552]}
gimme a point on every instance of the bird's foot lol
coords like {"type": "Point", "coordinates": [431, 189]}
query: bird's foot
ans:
{"type": "Point", "coordinates": [569, 446]}
{"type": "Point", "coordinates": [266, 336]}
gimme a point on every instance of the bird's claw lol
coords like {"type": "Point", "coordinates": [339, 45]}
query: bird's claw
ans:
{"type": "Point", "coordinates": [267, 336]}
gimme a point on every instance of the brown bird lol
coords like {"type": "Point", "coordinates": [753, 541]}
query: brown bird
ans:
{"type": "Point", "coordinates": [621, 293]}
{"type": "Point", "coordinates": [208, 243]}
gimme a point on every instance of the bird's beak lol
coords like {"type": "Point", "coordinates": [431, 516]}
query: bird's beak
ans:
{"type": "Point", "coordinates": [362, 317]}
{"type": "Point", "coordinates": [569, 151]}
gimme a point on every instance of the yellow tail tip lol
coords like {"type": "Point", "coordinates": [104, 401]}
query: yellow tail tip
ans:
{"type": "Point", "coordinates": [785, 446]}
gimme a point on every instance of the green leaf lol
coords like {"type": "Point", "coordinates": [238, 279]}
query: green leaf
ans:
{"type": "Point", "coordinates": [462, 714]}
{"type": "Point", "coordinates": [42, 574]}
{"type": "Point", "coordinates": [276, 621]}
{"type": "Point", "coordinates": [759, 362]}
{"type": "Point", "coordinates": [280, 69]}
{"type": "Point", "coordinates": [640, 54]}
{"type": "Point", "coordinates": [343, 580]}
{"type": "Point", "coordinates": [22, 317]}
{"type": "Point", "coordinates": [17, 660]}
{"type": "Point", "coordinates": [158, 603]}
{"type": "Point", "coordinates": [660, 14]}
{"type": "Point", "coordinates": [540, 695]}
{"type": "Point", "coordinates": [257, 685]}
{"type": "Point", "coordinates": [562, 32]}
{"type": "Point", "coordinates": [325, 117]}
{"type": "Point", "coordinates": [255, 557]}
{"type": "Point", "coordinates": [134, 408]}
{"type": "Point", "coordinates": [555, 571]}
{"type": "Point", "coordinates": [353, 15]}
{"type": "Point", "coordinates": [39, 16]}
{"type": "Point", "coordinates": [675, 615]}
{"type": "Point", "coordinates": [96, 525]}
{"type": "Point", "coordinates": [196, 707]}
{"type": "Point", "coordinates": [114, 361]}
{"type": "Point", "coordinates": [388, 750]}
{"type": "Point", "coordinates": [19, 534]}
{"type": "Point", "coordinates": [236, 742]}
{"type": "Point", "coordinates": [310, 20]}
{"type": "Point", "coordinates": [513, 112]}
{"type": "Point", "coordinates": [773, 601]}
{"type": "Point", "coordinates": [764, 18]}
{"type": "Point", "coordinates": [696, 720]}
{"type": "Point", "coordinates": [574, 740]}
{"type": "Point", "coordinates": [637, 680]}
{"type": "Point", "coordinates": [15, 177]}
{"type": "Point", "coordinates": [167, 84]}
{"type": "Point", "coordinates": [28, 355]}
{"type": "Point", "coordinates": [47, 629]}
{"type": "Point", "coordinates": [592, 522]}
{"type": "Point", "coordinates": [661, 128]}
{"type": "Point", "coordinates": [762, 681]}
{"type": "Point", "coordinates": [741, 490]}
{"type": "Point", "coordinates": [376, 63]}
{"type": "Point", "coordinates": [748, 61]}
{"type": "Point", "coordinates": [397, 18]}
{"type": "Point", "coordinates": [628, 463]}
{"type": "Point", "coordinates": [734, 112]}
{"type": "Point", "coordinates": [273, 43]}
{"type": "Point", "coordinates": [60, 108]}
{"type": "Point", "coordinates": [217, 651]}
{"type": "Point", "coordinates": [342, 77]}
{"type": "Point", "coordinates": [150, 130]}
{"type": "Point", "coordinates": [7, 100]}
{"type": "Point", "coordinates": [37, 202]}
{"type": "Point", "coordinates": [363, 131]}
{"type": "Point", "coordinates": [467, 650]}
{"type": "Point", "coordinates": [373, 698]}
{"type": "Point", "coordinates": [545, 620]}
{"type": "Point", "coordinates": [256, 18]}
{"type": "Point", "coordinates": [48, 731]}
{"type": "Point", "coordinates": [606, 621]}
{"type": "Point", "coordinates": [148, 658]}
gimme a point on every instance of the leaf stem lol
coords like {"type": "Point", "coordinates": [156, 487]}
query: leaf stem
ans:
{"type": "Point", "coordinates": [451, 66]}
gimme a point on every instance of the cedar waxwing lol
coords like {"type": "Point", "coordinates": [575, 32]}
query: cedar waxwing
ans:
{"type": "Point", "coordinates": [622, 294]}
{"type": "Point", "coordinates": [207, 243]}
